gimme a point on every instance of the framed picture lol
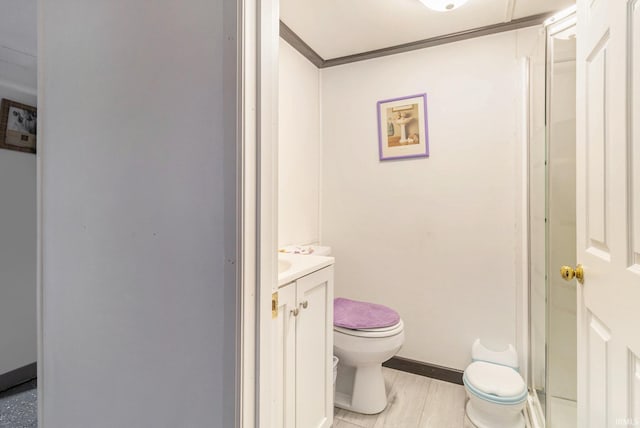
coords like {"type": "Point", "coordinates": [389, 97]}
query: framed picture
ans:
{"type": "Point", "coordinates": [18, 126]}
{"type": "Point", "coordinates": [402, 127]}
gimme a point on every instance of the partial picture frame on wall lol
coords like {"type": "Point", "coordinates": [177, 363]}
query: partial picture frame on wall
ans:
{"type": "Point", "coordinates": [18, 126]}
{"type": "Point", "coordinates": [403, 131]}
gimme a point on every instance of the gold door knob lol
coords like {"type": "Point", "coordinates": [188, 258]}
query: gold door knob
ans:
{"type": "Point", "coordinates": [568, 273]}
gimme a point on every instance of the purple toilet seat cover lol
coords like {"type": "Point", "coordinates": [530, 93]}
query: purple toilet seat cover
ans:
{"type": "Point", "coordinates": [357, 315]}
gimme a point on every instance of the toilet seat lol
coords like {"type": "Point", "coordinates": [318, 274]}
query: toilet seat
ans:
{"type": "Point", "coordinates": [495, 383]}
{"type": "Point", "coordinates": [372, 332]}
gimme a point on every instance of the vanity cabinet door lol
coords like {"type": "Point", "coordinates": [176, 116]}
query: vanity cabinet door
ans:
{"type": "Point", "coordinates": [283, 353]}
{"type": "Point", "coordinates": [314, 350]}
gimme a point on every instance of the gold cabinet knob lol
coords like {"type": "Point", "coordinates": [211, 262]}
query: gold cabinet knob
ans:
{"type": "Point", "coordinates": [295, 312]}
{"type": "Point", "coordinates": [568, 273]}
{"type": "Point", "coordinates": [304, 304]}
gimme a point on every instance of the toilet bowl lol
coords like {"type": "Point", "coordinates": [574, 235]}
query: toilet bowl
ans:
{"type": "Point", "coordinates": [497, 393]}
{"type": "Point", "coordinates": [360, 384]}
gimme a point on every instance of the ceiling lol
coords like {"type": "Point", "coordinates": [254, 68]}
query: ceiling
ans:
{"type": "Point", "coordinates": [18, 25]}
{"type": "Point", "coordinates": [333, 28]}
{"type": "Point", "coordinates": [18, 42]}
{"type": "Point", "coordinates": [337, 28]}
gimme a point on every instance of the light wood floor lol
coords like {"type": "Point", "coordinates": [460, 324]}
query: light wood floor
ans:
{"type": "Point", "coordinates": [414, 402]}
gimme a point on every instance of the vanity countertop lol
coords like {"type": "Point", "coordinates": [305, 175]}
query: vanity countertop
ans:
{"type": "Point", "coordinates": [294, 266]}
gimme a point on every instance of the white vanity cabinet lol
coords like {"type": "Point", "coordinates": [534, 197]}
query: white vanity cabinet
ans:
{"type": "Point", "coordinates": [302, 353]}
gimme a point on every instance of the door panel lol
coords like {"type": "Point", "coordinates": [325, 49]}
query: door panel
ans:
{"type": "Point", "coordinates": [314, 350]}
{"type": "Point", "coordinates": [598, 338]}
{"type": "Point", "coordinates": [597, 151]}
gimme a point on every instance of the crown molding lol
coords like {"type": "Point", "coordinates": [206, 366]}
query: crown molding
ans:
{"type": "Point", "coordinates": [298, 44]}
{"type": "Point", "coordinates": [305, 50]}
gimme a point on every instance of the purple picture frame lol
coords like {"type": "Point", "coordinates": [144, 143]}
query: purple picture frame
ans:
{"type": "Point", "coordinates": [393, 146]}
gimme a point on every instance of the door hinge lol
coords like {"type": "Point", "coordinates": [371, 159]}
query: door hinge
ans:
{"type": "Point", "coordinates": [274, 305]}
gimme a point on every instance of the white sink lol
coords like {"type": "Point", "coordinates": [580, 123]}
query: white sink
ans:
{"type": "Point", "coordinates": [294, 266]}
{"type": "Point", "coordinates": [283, 266]}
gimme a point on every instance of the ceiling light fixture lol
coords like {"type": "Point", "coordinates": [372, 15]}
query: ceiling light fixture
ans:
{"type": "Point", "coordinates": [443, 5]}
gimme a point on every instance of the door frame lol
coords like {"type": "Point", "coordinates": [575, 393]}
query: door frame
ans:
{"type": "Point", "coordinates": [260, 47]}
{"type": "Point", "coordinates": [248, 200]}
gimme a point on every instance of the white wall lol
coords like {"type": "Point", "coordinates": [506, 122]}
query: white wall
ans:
{"type": "Point", "coordinates": [438, 239]}
{"type": "Point", "coordinates": [298, 148]}
{"type": "Point", "coordinates": [18, 332]}
{"type": "Point", "coordinates": [138, 213]}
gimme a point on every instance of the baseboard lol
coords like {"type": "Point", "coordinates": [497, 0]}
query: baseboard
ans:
{"type": "Point", "coordinates": [424, 369]}
{"type": "Point", "coordinates": [16, 377]}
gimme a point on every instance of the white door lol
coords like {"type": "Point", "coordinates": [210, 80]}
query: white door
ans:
{"type": "Point", "coordinates": [608, 212]}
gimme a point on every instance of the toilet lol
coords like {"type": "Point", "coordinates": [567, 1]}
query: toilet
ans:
{"type": "Point", "coordinates": [364, 336]}
{"type": "Point", "coordinates": [497, 393]}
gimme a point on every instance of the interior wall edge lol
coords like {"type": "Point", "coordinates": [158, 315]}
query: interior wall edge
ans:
{"type": "Point", "coordinates": [299, 148]}
{"type": "Point", "coordinates": [320, 158]}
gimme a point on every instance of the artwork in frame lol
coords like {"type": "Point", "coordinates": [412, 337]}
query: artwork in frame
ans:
{"type": "Point", "coordinates": [18, 123]}
{"type": "Point", "coordinates": [402, 127]}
